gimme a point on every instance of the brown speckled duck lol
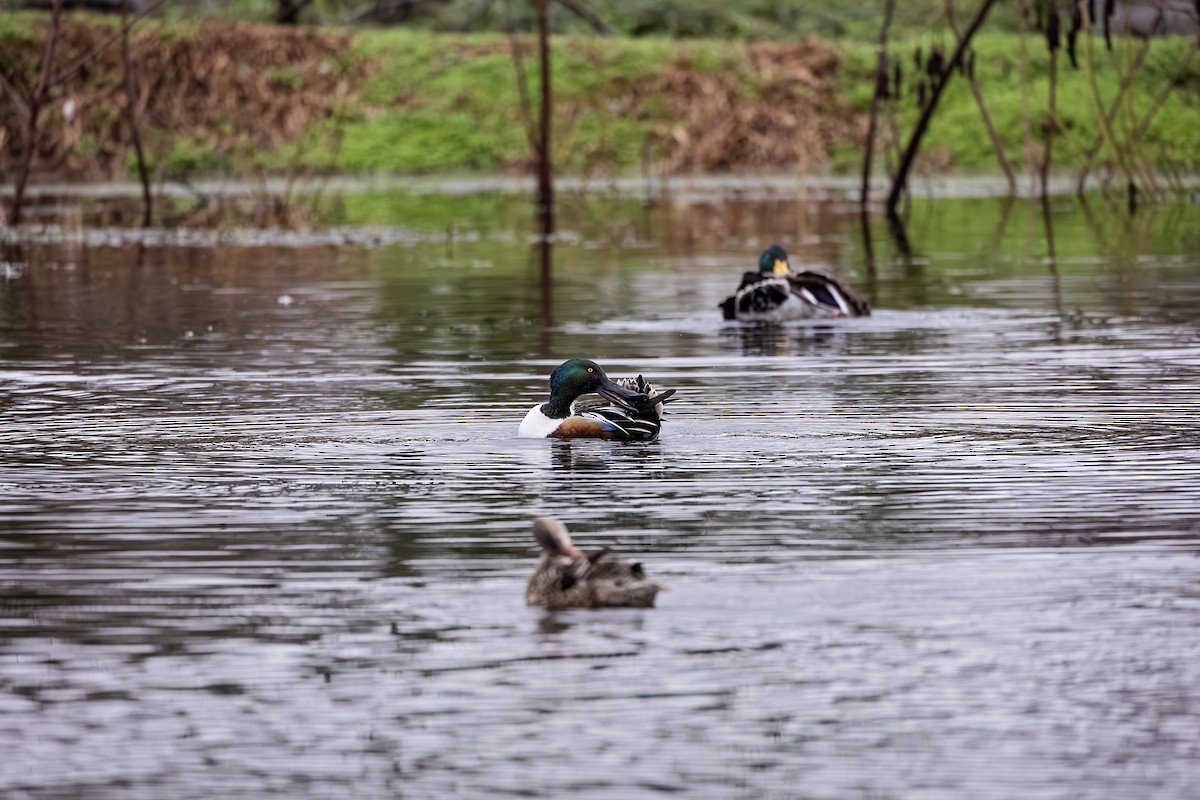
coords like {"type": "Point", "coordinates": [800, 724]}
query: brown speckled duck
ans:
{"type": "Point", "coordinates": [567, 578]}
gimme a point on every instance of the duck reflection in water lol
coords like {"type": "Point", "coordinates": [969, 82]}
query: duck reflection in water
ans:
{"type": "Point", "coordinates": [776, 340]}
{"type": "Point", "coordinates": [579, 457]}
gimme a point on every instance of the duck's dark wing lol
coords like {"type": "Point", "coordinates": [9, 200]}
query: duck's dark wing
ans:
{"type": "Point", "coordinates": [643, 423]}
{"type": "Point", "coordinates": [761, 296]}
{"type": "Point", "coordinates": [728, 306]}
{"type": "Point", "coordinates": [627, 425]}
{"type": "Point", "coordinates": [829, 291]}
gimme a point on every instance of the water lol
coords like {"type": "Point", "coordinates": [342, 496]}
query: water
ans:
{"type": "Point", "coordinates": [264, 524]}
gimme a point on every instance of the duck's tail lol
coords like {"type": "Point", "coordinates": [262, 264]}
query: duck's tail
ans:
{"type": "Point", "coordinates": [830, 291]}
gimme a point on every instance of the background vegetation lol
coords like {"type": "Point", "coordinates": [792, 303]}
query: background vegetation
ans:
{"type": "Point", "coordinates": [427, 97]}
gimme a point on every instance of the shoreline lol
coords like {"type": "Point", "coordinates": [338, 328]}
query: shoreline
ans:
{"type": "Point", "coordinates": [675, 190]}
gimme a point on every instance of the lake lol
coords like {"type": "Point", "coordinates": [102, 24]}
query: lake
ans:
{"type": "Point", "coordinates": [265, 524]}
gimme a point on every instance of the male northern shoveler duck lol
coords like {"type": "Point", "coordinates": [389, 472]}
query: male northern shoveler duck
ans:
{"type": "Point", "coordinates": [567, 578]}
{"type": "Point", "coordinates": [586, 404]}
{"type": "Point", "coordinates": [776, 294]}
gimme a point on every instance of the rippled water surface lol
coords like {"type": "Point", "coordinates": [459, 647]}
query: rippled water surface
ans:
{"type": "Point", "coordinates": [264, 524]}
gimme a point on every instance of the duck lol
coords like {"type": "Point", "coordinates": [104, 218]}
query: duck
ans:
{"type": "Point", "coordinates": [776, 294]}
{"type": "Point", "coordinates": [586, 404]}
{"type": "Point", "coordinates": [566, 577]}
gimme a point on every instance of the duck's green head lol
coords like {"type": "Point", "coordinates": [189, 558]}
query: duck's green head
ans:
{"type": "Point", "coordinates": [774, 260]}
{"type": "Point", "coordinates": [580, 376]}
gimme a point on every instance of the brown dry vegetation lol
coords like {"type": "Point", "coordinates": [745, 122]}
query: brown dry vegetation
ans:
{"type": "Point", "coordinates": [795, 119]}
{"type": "Point", "coordinates": [229, 87]}
{"type": "Point", "coordinates": [247, 89]}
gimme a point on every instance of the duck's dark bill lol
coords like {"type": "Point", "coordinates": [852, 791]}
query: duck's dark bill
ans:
{"type": "Point", "coordinates": [620, 395]}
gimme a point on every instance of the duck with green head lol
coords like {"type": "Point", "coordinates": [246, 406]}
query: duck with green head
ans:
{"type": "Point", "coordinates": [586, 404]}
{"type": "Point", "coordinates": [776, 294]}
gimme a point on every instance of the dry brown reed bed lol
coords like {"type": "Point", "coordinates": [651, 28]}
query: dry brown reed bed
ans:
{"type": "Point", "coordinates": [229, 87]}
{"type": "Point", "coordinates": [794, 119]}
{"type": "Point", "coordinates": [241, 88]}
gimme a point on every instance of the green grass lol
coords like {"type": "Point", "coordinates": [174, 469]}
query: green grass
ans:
{"type": "Point", "coordinates": [441, 102]}
{"type": "Point", "coordinates": [449, 102]}
{"type": "Point", "coordinates": [467, 114]}
{"type": "Point", "coordinates": [1173, 140]}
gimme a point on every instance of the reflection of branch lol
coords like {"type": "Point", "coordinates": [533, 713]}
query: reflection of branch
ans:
{"type": "Point", "coordinates": [868, 255]}
{"type": "Point", "coordinates": [1002, 224]}
{"type": "Point", "coordinates": [1093, 225]}
{"type": "Point", "coordinates": [983, 112]}
{"type": "Point", "coordinates": [899, 236]}
{"type": "Point", "coordinates": [1052, 262]}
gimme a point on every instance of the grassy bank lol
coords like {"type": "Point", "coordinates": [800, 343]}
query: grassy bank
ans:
{"type": "Point", "coordinates": [959, 139]}
{"type": "Point", "coordinates": [404, 100]}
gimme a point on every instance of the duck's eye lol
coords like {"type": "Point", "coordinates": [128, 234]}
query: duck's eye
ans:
{"type": "Point", "coordinates": [591, 370]}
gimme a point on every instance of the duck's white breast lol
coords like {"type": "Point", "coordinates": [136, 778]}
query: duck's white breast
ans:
{"type": "Point", "coordinates": [537, 425]}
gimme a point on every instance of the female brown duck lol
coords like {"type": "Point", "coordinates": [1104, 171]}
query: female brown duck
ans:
{"type": "Point", "coordinates": [567, 578]}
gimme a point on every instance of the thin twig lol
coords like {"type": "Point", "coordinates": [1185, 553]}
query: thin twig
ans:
{"type": "Point", "coordinates": [79, 63]}
{"type": "Point", "coordinates": [545, 165]}
{"type": "Point", "coordinates": [579, 9]}
{"type": "Point", "coordinates": [40, 95]}
{"type": "Point", "coordinates": [1164, 93]}
{"type": "Point", "coordinates": [18, 101]}
{"type": "Point", "coordinates": [522, 85]}
{"type": "Point", "coordinates": [1023, 78]}
{"type": "Point", "coordinates": [881, 83]}
{"type": "Point", "coordinates": [134, 131]}
{"type": "Point", "coordinates": [1106, 118]}
{"type": "Point", "coordinates": [983, 112]}
{"type": "Point", "coordinates": [1050, 126]}
{"type": "Point", "coordinates": [914, 142]}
